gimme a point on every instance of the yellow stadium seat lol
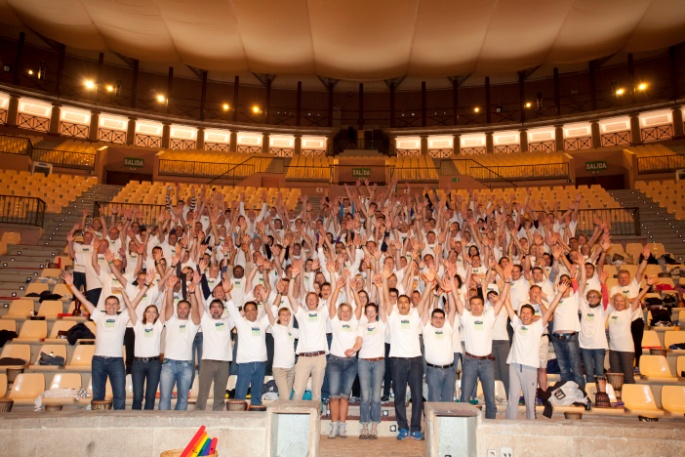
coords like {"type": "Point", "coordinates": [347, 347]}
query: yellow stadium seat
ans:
{"type": "Point", "coordinates": [51, 308]}
{"type": "Point", "coordinates": [650, 339]}
{"type": "Point", "coordinates": [671, 338]}
{"type": "Point", "coordinates": [655, 367]}
{"type": "Point", "coordinates": [59, 326]}
{"type": "Point", "coordinates": [33, 331]}
{"type": "Point", "coordinates": [16, 351]}
{"type": "Point", "coordinates": [66, 381]}
{"type": "Point", "coordinates": [19, 309]}
{"type": "Point", "coordinates": [680, 366]}
{"type": "Point", "coordinates": [51, 273]}
{"type": "Point", "coordinates": [26, 387]}
{"type": "Point", "coordinates": [11, 237]}
{"type": "Point", "coordinates": [8, 324]}
{"type": "Point", "coordinates": [639, 399]}
{"type": "Point", "coordinates": [36, 288]}
{"type": "Point", "coordinates": [82, 357]}
{"type": "Point", "coordinates": [673, 399]}
{"type": "Point", "coordinates": [50, 349]}
{"type": "Point", "coordinates": [3, 385]}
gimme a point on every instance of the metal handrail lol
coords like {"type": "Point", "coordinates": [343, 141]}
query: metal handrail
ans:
{"type": "Point", "coordinates": [244, 162]}
{"type": "Point", "coordinates": [64, 159]}
{"type": "Point", "coordinates": [653, 164]}
{"type": "Point", "coordinates": [22, 210]}
{"type": "Point", "coordinates": [231, 170]}
{"type": "Point", "coordinates": [535, 174]}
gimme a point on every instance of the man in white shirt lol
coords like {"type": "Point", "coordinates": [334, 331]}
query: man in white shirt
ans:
{"type": "Point", "coordinates": [217, 352]}
{"type": "Point", "coordinates": [177, 368]}
{"type": "Point", "coordinates": [441, 375]}
{"type": "Point", "coordinates": [478, 326]}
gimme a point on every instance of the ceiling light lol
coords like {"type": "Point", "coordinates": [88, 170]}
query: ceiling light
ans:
{"type": "Point", "coordinates": [110, 88]}
{"type": "Point", "coordinates": [161, 98]}
{"type": "Point", "coordinates": [256, 109]}
{"type": "Point", "coordinates": [528, 104]}
{"type": "Point", "coordinates": [476, 110]}
{"type": "Point", "coordinates": [89, 84]}
{"type": "Point", "coordinates": [226, 107]}
{"type": "Point", "coordinates": [30, 72]}
{"type": "Point", "coordinates": [620, 91]}
{"type": "Point", "coordinates": [642, 86]}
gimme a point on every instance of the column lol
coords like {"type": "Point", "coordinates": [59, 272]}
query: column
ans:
{"type": "Point", "coordinates": [456, 144]}
{"type": "Point", "coordinates": [94, 126]}
{"type": "Point", "coordinates": [265, 143]}
{"type": "Point", "coordinates": [298, 144]}
{"type": "Point", "coordinates": [54, 120]}
{"type": "Point", "coordinates": [523, 140]}
{"type": "Point", "coordinates": [559, 137]}
{"type": "Point", "coordinates": [233, 142]}
{"type": "Point", "coordinates": [635, 135]}
{"type": "Point", "coordinates": [596, 135]}
{"type": "Point", "coordinates": [489, 143]}
{"type": "Point", "coordinates": [166, 135]}
{"type": "Point", "coordinates": [12, 110]}
{"type": "Point", "coordinates": [424, 145]}
{"type": "Point", "coordinates": [200, 141]}
{"type": "Point", "coordinates": [678, 129]}
{"type": "Point", "coordinates": [131, 131]}
{"type": "Point", "coordinates": [329, 145]}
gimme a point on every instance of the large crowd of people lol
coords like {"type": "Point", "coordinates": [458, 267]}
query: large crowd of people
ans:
{"type": "Point", "coordinates": [377, 287]}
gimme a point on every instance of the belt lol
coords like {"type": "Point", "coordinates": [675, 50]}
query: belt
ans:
{"type": "Point", "coordinates": [563, 336]}
{"type": "Point", "coordinates": [375, 359]}
{"type": "Point", "coordinates": [440, 366]}
{"type": "Point", "coordinates": [108, 357]}
{"type": "Point", "coordinates": [312, 354]}
{"type": "Point", "coordinates": [480, 357]}
{"type": "Point", "coordinates": [145, 359]}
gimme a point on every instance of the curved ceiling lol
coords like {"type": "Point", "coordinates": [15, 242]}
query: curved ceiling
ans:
{"type": "Point", "coordinates": [356, 39]}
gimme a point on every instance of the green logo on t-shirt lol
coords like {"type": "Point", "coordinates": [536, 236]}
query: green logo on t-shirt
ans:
{"type": "Point", "coordinates": [404, 324]}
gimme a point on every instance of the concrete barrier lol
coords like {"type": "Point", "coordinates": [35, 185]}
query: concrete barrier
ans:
{"type": "Point", "coordinates": [294, 428]}
{"type": "Point", "coordinates": [451, 429]}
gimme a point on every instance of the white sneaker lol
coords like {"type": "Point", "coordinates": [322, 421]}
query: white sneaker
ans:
{"type": "Point", "coordinates": [334, 430]}
{"type": "Point", "coordinates": [342, 429]}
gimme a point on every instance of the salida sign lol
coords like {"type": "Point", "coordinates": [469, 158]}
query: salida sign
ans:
{"type": "Point", "coordinates": [596, 167]}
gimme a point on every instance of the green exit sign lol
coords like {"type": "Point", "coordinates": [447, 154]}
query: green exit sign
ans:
{"type": "Point", "coordinates": [455, 179]}
{"type": "Point", "coordinates": [361, 172]}
{"type": "Point", "coordinates": [596, 167]}
{"type": "Point", "coordinates": [134, 162]}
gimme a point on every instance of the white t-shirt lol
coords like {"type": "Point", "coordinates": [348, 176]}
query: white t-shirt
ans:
{"type": "Point", "coordinates": [566, 313]}
{"type": "Point", "coordinates": [216, 337]}
{"type": "Point", "coordinates": [312, 326]}
{"type": "Point", "coordinates": [592, 327]}
{"type": "Point", "coordinates": [110, 333]}
{"type": "Point", "coordinates": [438, 344]}
{"type": "Point", "coordinates": [373, 339]}
{"type": "Point", "coordinates": [109, 282]}
{"type": "Point", "coordinates": [499, 331]}
{"type": "Point", "coordinates": [525, 349]}
{"type": "Point", "coordinates": [344, 335]}
{"type": "Point", "coordinates": [620, 337]}
{"type": "Point", "coordinates": [148, 337]}
{"type": "Point", "coordinates": [632, 290]}
{"type": "Point", "coordinates": [251, 337]}
{"type": "Point", "coordinates": [457, 335]}
{"type": "Point", "coordinates": [179, 339]}
{"type": "Point", "coordinates": [284, 345]}
{"type": "Point", "coordinates": [478, 332]}
{"type": "Point", "coordinates": [518, 292]}
{"type": "Point", "coordinates": [404, 333]}
{"type": "Point", "coordinates": [82, 256]}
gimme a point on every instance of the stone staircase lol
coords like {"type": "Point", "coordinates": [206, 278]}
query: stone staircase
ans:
{"type": "Point", "coordinates": [656, 225]}
{"type": "Point", "coordinates": [23, 263]}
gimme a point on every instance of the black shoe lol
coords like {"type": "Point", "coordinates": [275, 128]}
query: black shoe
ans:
{"type": "Point", "coordinates": [385, 398]}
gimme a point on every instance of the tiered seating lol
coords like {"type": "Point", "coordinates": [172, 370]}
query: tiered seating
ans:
{"type": "Point", "coordinates": [147, 193]}
{"type": "Point", "coordinates": [667, 194]}
{"type": "Point", "coordinates": [16, 144]}
{"type": "Point", "coordinates": [309, 168]}
{"type": "Point", "coordinates": [211, 164]}
{"type": "Point", "coordinates": [55, 190]}
{"type": "Point", "coordinates": [26, 387]}
{"type": "Point", "coordinates": [76, 153]}
{"type": "Point", "coordinates": [516, 166]}
{"type": "Point", "coordinates": [656, 158]}
{"type": "Point", "coordinates": [413, 168]}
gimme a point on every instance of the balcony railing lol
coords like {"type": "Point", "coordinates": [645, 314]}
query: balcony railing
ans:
{"type": "Point", "coordinates": [15, 145]}
{"type": "Point", "coordinates": [74, 130]}
{"type": "Point", "coordinates": [623, 221]}
{"type": "Point", "coordinates": [211, 170]}
{"type": "Point", "coordinates": [36, 123]}
{"type": "Point", "coordinates": [660, 164]}
{"type": "Point", "coordinates": [528, 172]}
{"type": "Point", "coordinates": [65, 159]}
{"type": "Point", "coordinates": [22, 210]}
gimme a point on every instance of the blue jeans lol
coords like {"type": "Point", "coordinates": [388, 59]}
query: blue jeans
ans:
{"type": "Point", "coordinates": [484, 370]}
{"type": "Point", "coordinates": [341, 372]}
{"type": "Point", "coordinates": [568, 358]}
{"type": "Point", "coordinates": [197, 354]}
{"type": "Point", "coordinates": [441, 382]}
{"type": "Point", "coordinates": [593, 359]}
{"type": "Point", "coordinates": [102, 367]}
{"type": "Point", "coordinates": [370, 378]}
{"type": "Point", "coordinates": [408, 371]}
{"type": "Point", "coordinates": [139, 372]}
{"type": "Point", "coordinates": [179, 373]}
{"type": "Point", "coordinates": [325, 390]}
{"type": "Point", "coordinates": [250, 374]}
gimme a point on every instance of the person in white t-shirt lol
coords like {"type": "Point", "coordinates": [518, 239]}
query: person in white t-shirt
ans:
{"type": "Point", "coordinates": [146, 367]}
{"type": "Point", "coordinates": [524, 355]}
{"type": "Point", "coordinates": [283, 366]}
{"type": "Point", "coordinates": [181, 327]}
{"type": "Point", "coordinates": [217, 352]}
{"type": "Point", "coordinates": [478, 327]}
{"type": "Point", "coordinates": [593, 339]}
{"type": "Point", "coordinates": [108, 359]}
{"type": "Point", "coordinates": [619, 318]}
{"type": "Point", "coordinates": [341, 368]}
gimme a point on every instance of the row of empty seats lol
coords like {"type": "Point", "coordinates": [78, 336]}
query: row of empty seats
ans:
{"type": "Point", "coordinates": [309, 168]}
{"type": "Point", "coordinates": [656, 158]}
{"type": "Point", "coordinates": [419, 168]}
{"type": "Point", "coordinates": [668, 194]}
{"type": "Point", "coordinates": [211, 164]}
{"type": "Point", "coordinates": [515, 166]}
{"type": "Point", "coordinates": [56, 190]}
{"type": "Point", "coordinates": [17, 144]}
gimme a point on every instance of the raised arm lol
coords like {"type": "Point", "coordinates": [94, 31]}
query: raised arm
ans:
{"type": "Point", "coordinates": [69, 279]}
{"type": "Point", "coordinates": [169, 302]}
{"type": "Point", "coordinates": [549, 312]}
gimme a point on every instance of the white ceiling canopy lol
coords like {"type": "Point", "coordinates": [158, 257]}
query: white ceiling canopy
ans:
{"type": "Point", "coordinates": [356, 39]}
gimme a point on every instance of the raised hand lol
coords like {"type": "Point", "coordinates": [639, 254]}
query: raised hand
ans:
{"type": "Point", "coordinates": [68, 278]}
{"type": "Point", "coordinates": [563, 286]}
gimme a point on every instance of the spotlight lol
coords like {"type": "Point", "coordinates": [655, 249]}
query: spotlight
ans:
{"type": "Point", "coordinates": [89, 84]}
{"type": "Point", "coordinates": [256, 109]}
{"type": "Point", "coordinates": [476, 110]}
{"type": "Point", "coordinates": [110, 88]}
{"type": "Point", "coordinates": [620, 91]}
{"type": "Point", "coordinates": [528, 104]}
{"type": "Point", "coordinates": [30, 72]}
{"type": "Point", "coordinates": [225, 107]}
{"type": "Point", "coordinates": [161, 98]}
{"type": "Point", "coordinates": [642, 87]}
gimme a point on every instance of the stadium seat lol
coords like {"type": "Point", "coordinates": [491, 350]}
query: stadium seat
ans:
{"type": "Point", "coordinates": [680, 366]}
{"type": "Point", "coordinates": [63, 290]}
{"type": "Point", "coordinates": [81, 358]}
{"type": "Point", "coordinates": [66, 381]}
{"type": "Point", "coordinates": [8, 324]}
{"type": "Point", "coordinates": [27, 387]}
{"type": "Point", "coordinates": [75, 319]}
{"type": "Point", "coordinates": [20, 309]}
{"type": "Point", "coordinates": [51, 273]}
{"type": "Point", "coordinates": [108, 393]}
{"type": "Point", "coordinates": [3, 385]}
{"type": "Point", "coordinates": [36, 288]}
{"type": "Point", "coordinates": [655, 367]}
{"type": "Point", "coordinates": [673, 399]}
{"type": "Point", "coordinates": [50, 349]}
{"type": "Point", "coordinates": [33, 331]}
{"type": "Point", "coordinates": [51, 309]}
{"type": "Point", "coordinates": [650, 339]}
{"type": "Point", "coordinates": [671, 338]}
{"type": "Point", "coordinates": [59, 326]}
{"type": "Point", "coordinates": [11, 237]}
{"type": "Point", "coordinates": [16, 351]}
{"type": "Point", "coordinates": [639, 399]}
